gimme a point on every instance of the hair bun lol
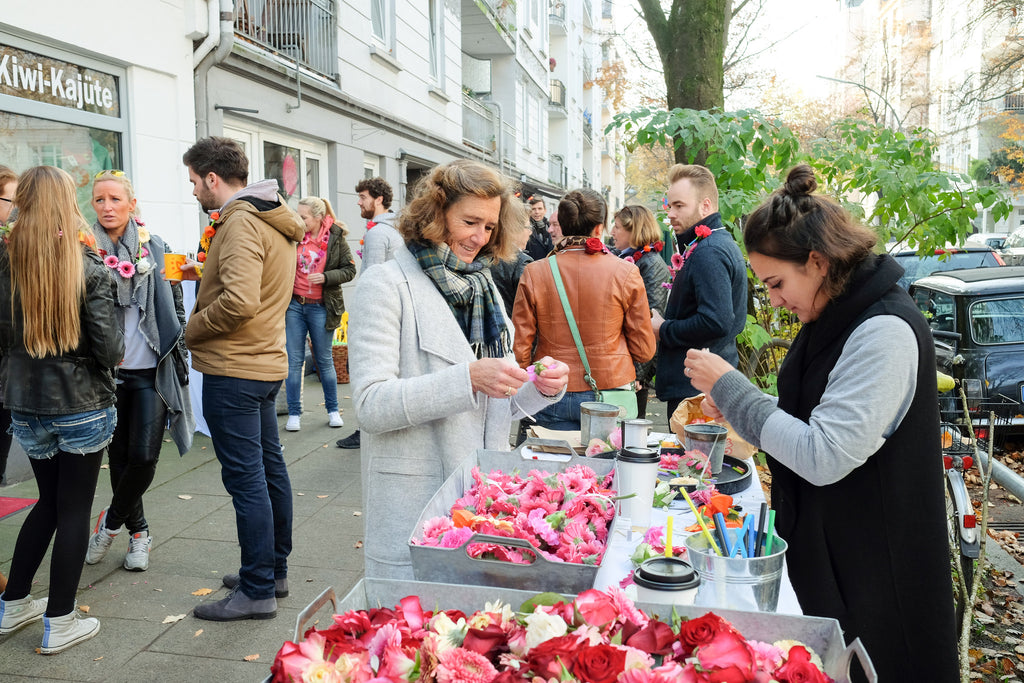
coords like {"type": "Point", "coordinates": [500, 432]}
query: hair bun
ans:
{"type": "Point", "coordinates": [800, 182]}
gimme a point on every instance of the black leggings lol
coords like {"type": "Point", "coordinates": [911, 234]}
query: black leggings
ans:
{"type": "Point", "coordinates": [67, 484]}
{"type": "Point", "coordinates": [5, 440]}
{"type": "Point", "coordinates": [135, 448]}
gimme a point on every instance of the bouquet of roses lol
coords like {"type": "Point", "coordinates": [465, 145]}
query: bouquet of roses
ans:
{"type": "Point", "coordinates": [564, 515]}
{"type": "Point", "coordinates": [599, 637]}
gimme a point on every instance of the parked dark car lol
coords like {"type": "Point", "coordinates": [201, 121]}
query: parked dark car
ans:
{"type": "Point", "coordinates": [978, 315]}
{"type": "Point", "coordinates": [917, 266]}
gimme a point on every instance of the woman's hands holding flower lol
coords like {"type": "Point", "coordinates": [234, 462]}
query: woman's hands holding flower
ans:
{"type": "Point", "coordinates": [553, 378]}
{"type": "Point", "coordinates": [315, 278]}
{"type": "Point", "coordinates": [496, 377]}
{"type": "Point", "coordinates": [703, 369]}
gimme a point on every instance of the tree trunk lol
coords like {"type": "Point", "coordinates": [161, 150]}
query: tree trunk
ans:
{"type": "Point", "coordinates": [691, 44]}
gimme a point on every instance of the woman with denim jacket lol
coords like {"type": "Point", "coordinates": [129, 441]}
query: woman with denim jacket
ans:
{"type": "Point", "coordinates": [59, 346]}
{"type": "Point", "coordinates": [151, 382]}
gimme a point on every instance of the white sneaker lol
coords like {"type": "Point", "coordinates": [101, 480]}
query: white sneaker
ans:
{"type": "Point", "coordinates": [137, 559]}
{"type": "Point", "coordinates": [293, 423]}
{"type": "Point", "coordinates": [100, 541]}
{"type": "Point", "coordinates": [17, 613]}
{"type": "Point", "coordinates": [60, 633]}
{"type": "Point", "coordinates": [334, 419]}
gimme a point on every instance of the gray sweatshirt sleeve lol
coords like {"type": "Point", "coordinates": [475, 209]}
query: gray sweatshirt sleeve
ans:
{"type": "Point", "coordinates": [867, 395]}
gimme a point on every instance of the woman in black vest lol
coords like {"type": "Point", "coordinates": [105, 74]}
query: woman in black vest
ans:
{"type": "Point", "coordinates": [853, 439]}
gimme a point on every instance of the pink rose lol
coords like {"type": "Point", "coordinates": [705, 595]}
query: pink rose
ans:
{"type": "Point", "coordinates": [799, 669]}
{"type": "Point", "coordinates": [727, 658]}
{"type": "Point", "coordinates": [596, 607]}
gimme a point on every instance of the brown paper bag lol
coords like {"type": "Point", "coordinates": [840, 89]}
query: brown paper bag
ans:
{"type": "Point", "coordinates": [689, 412]}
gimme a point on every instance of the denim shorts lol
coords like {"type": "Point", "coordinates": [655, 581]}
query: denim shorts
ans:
{"type": "Point", "coordinates": [41, 436]}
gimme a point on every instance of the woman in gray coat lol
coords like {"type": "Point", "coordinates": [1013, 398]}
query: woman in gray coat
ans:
{"type": "Point", "coordinates": [430, 351]}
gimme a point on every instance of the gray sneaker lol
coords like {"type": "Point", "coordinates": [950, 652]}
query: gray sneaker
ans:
{"type": "Point", "coordinates": [137, 559]}
{"type": "Point", "coordinates": [100, 541]}
{"type": "Point", "coordinates": [237, 606]}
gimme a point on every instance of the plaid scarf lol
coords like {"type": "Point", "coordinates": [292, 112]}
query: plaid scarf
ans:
{"type": "Point", "coordinates": [469, 291]}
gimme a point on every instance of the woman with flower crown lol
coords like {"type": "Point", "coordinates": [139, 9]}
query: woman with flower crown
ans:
{"type": "Point", "coordinates": [151, 382]}
{"type": "Point", "coordinates": [60, 346]}
{"type": "Point", "coordinates": [608, 301]}
{"type": "Point", "coordinates": [323, 263]}
{"type": "Point", "coordinates": [637, 238]}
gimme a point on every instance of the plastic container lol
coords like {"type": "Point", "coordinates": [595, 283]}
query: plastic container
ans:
{"type": "Point", "coordinates": [597, 421]}
{"type": "Point", "coordinates": [666, 581]}
{"type": "Point", "coordinates": [636, 472]}
{"type": "Point", "coordinates": [709, 439]}
{"type": "Point", "coordinates": [737, 582]}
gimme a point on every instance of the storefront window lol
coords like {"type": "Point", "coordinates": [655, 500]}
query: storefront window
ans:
{"type": "Point", "coordinates": [283, 163]}
{"type": "Point", "coordinates": [27, 141]}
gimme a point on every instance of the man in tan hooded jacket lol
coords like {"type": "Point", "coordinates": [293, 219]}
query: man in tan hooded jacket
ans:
{"type": "Point", "coordinates": [237, 338]}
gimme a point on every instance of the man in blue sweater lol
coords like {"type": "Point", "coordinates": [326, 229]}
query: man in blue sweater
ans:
{"type": "Point", "coordinates": [707, 306]}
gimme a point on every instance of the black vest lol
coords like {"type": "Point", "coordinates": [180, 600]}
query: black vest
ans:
{"type": "Point", "coordinates": [871, 550]}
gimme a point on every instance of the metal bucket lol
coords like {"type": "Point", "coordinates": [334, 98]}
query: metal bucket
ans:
{"type": "Point", "coordinates": [737, 582]}
{"type": "Point", "coordinates": [597, 420]}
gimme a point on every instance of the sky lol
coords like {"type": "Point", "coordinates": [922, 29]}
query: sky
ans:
{"type": "Point", "coordinates": [811, 46]}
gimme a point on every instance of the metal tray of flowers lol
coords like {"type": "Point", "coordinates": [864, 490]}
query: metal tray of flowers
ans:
{"type": "Point", "coordinates": [568, 517]}
{"type": "Point", "coordinates": [748, 632]}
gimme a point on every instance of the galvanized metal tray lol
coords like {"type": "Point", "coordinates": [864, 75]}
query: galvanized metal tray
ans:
{"type": "Point", "coordinates": [822, 635]}
{"type": "Point", "coordinates": [454, 565]}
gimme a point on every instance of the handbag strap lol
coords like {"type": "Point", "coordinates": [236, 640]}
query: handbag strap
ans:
{"type": "Point", "coordinates": [560, 286]}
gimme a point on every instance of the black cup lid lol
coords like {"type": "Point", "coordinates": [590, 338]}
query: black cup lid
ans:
{"type": "Point", "coordinates": [639, 455]}
{"type": "Point", "coordinates": [666, 573]}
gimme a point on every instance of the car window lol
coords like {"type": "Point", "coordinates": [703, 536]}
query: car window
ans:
{"type": "Point", "coordinates": [938, 308]}
{"type": "Point", "coordinates": [916, 267]}
{"type": "Point", "coordinates": [997, 321]}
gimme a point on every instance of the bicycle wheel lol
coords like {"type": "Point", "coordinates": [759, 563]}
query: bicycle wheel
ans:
{"type": "Point", "coordinates": [960, 563]}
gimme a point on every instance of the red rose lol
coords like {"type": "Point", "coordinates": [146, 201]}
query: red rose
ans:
{"type": "Point", "coordinates": [594, 245]}
{"type": "Point", "coordinates": [703, 231]}
{"type": "Point", "coordinates": [799, 669]}
{"type": "Point", "coordinates": [656, 638]}
{"type": "Point", "coordinates": [546, 660]}
{"type": "Point", "coordinates": [700, 631]}
{"type": "Point", "coordinates": [485, 641]}
{"type": "Point", "coordinates": [599, 664]}
{"type": "Point", "coordinates": [727, 658]}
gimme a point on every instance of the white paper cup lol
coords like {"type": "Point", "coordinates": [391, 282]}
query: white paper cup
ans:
{"type": "Point", "coordinates": [636, 472]}
{"type": "Point", "coordinates": [634, 433]}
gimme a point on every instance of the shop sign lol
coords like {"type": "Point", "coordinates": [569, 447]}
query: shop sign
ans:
{"type": "Point", "coordinates": [35, 77]}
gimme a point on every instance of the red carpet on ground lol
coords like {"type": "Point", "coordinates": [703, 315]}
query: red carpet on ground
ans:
{"type": "Point", "coordinates": [8, 506]}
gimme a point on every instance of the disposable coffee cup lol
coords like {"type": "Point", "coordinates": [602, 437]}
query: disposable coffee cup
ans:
{"type": "Point", "coordinates": [636, 472]}
{"type": "Point", "coordinates": [172, 266]}
{"type": "Point", "coordinates": [666, 581]}
{"type": "Point", "coordinates": [634, 433]}
{"type": "Point", "coordinates": [710, 440]}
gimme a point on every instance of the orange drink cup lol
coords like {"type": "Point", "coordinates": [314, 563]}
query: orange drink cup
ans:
{"type": "Point", "coordinates": [172, 266]}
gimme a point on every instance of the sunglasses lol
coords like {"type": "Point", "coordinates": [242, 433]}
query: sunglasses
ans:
{"type": "Point", "coordinates": [117, 174]}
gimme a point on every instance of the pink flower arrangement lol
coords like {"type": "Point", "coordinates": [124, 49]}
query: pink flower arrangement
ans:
{"type": "Point", "coordinates": [565, 516]}
{"type": "Point", "coordinates": [599, 637]}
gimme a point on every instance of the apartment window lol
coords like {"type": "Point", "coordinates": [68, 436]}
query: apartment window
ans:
{"type": "Point", "coordinates": [535, 125]}
{"type": "Point", "coordinates": [436, 18]}
{"type": "Point", "coordinates": [382, 20]}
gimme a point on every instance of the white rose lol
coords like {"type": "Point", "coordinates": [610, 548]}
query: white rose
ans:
{"type": "Point", "coordinates": [541, 626]}
{"type": "Point", "coordinates": [143, 266]}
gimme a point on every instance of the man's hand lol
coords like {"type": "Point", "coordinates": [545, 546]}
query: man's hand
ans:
{"type": "Point", "coordinates": [656, 322]}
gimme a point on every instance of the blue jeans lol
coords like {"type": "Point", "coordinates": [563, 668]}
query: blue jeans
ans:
{"type": "Point", "coordinates": [243, 427]}
{"type": "Point", "coordinates": [564, 415]}
{"type": "Point", "coordinates": [303, 319]}
{"type": "Point", "coordinates": [41, 436]}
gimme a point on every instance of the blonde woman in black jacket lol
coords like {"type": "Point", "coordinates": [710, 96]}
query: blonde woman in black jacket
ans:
{"type": "Point", "coordinates": [59, 344]}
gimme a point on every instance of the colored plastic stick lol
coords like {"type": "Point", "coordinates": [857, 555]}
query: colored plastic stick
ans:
{"type": "Point", "coordinates": [751, 539]}
{"type": "Point", "coordinates": [760, 529]}
{"type": "Point", "coordinates": [723, 536]}
{"type": "Point", "coordinates": [741, 542]}
{"type": "Point", "coordinates": [700, 520]}
{"type": "Point", "coordinates": [771, 533]}
{"type": "Point", "coordinates": [668, 537]}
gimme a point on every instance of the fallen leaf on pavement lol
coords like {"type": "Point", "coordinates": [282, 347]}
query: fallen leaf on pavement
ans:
{"type": "Point", "coordinates": [172, 619]}
{"type": "Point", "coordinates": [321, 496]}
{"type": "Point", "coordinates": [202, 591]}
{"type": "Point", "coordinates": [197, 633]}
{"type": "Point", "coordinates": [97, 659]}
{"type": "Point", "coordinates": [358, 544]}
{"type": "Point", "coordinates": [104, 466]}
{"type": "Point", "coordinates": [251, 658]}
{"type": "Point", "coordinates": [184, 496]}
{"type": "Point", "coordinates": [84, 609]}
{"type": "Point", "coordinates": [357, 513]}
{"type": "Point", "coordinates": [300, 494]}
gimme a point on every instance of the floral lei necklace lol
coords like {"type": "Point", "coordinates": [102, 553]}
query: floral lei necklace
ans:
{"type": "Point", "coordinates": [592, 245]}
{"type": "Point", "coordinates": [654, 247]}
{"type": "Point", "coordinates": [127, 269]}
{"type": "Point", "coordinates": [208, 233]}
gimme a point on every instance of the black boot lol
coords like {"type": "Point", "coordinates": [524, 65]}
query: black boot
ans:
{"type": "Point", "coordinates": [350, 441]}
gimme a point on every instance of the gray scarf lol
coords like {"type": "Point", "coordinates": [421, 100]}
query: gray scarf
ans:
{"type": "Point", "coordinates": [139, 289]}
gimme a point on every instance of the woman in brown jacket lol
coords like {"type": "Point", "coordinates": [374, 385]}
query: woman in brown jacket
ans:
{"type": "Point", "coordinates": [608, 301]}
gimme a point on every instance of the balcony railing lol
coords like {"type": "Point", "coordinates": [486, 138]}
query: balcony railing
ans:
{"type": "Point", "coordinates": [1013, 102]}
{"type": "Point", "coordinates": [477, 123]}
{"type": "Point", "coordinates": [299, 30]}
{"type": "Point", "coordinates": [588, 132]}
{"type": "Point", "coordinates": [557, 11]}
{"type": "Point", "coordinates": [557, 93]}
